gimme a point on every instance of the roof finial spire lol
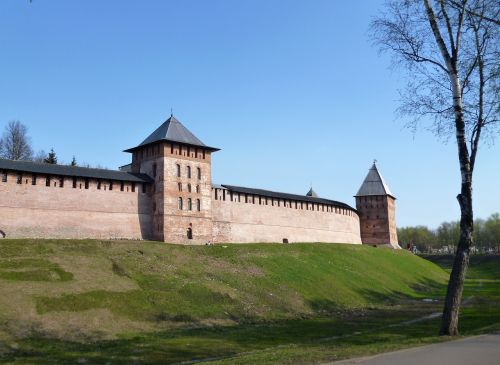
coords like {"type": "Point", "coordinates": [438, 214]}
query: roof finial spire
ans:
{"type": "Point", "coordinates": [171, 112]}
{"type": "Point", "coordinates": [375, 161]}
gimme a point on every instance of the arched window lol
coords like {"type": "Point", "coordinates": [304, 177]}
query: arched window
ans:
{"type": "Point", "coordinates": [198, 189]}
{"type": "Point", "coordinates": [188, 171]}
{"type": "Point", "coordinates": [198, 173]}
{"type": "Point", "coordinates": [190, 206]}
{"type": "Point", "coordinates": [179, 185]}
{"type": "Point", "coordinates": [178, 170]}
{"type": "Point", "coordinates": [190, 233]}
{"type": "Point", "coordinates": [189, 188]}
{"type": "Point", "coordinates": [180, 203]}
{"type": "Point", "coordinates": [198, 205]}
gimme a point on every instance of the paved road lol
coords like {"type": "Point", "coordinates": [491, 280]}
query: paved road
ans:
{"type": "Point", "coordinates": [479, 350]}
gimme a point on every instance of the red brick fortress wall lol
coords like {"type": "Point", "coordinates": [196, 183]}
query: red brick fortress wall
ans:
{"type": "Point", "coordinates": [252, 218]}
{"type": "Point", "coordinates": [63, 211]}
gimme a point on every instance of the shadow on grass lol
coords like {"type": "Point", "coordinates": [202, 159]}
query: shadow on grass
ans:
{"type": "Point", "coordinates": [355, 328]}
{"type": "Point", "coordinates": [365, 331]}
{"type": "Point", "coordinates": [205, 343]}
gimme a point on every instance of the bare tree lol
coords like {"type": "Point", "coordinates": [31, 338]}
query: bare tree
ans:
{"type": "Point", "coordinates": [450, 50]}
{"type": "Point", "coordinates": [40, 156]}
{"type": "Point", "coordinates": [15, 143]}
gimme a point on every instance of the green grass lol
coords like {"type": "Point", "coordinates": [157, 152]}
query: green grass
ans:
{"type": "Point", "coordinates": [27, 269]}
{"type": "Point", "coordinates": [481, 291]}
{"type": "Point", "coordinates": [153, 303]}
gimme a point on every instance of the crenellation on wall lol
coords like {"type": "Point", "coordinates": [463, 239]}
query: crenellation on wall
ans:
{"type": "Point", "coordinates": [239, 198]}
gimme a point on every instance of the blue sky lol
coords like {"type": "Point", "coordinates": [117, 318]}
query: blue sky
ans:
{"type": "Point", "coordinates": [291, 91]}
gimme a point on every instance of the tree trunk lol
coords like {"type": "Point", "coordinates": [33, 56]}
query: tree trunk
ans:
{"type": "Point", "coordinates": [449, 322]}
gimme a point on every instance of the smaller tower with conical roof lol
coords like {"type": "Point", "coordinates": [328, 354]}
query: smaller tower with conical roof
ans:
{"type": "Point", "coordinates": [377, 211]}
{"type": "Point", "coordinates": [312, 193]}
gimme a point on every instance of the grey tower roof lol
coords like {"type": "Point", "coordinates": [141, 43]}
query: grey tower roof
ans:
{"type": "Point", "coordinates": [312, 193]}
{"type": "Point", "coordinates": [173, 131]}
{"type": "Point", "coordinates": [374, 184]}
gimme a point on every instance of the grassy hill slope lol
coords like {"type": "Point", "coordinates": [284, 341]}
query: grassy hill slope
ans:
{"type": "Point", "coordinates": [80, 292]}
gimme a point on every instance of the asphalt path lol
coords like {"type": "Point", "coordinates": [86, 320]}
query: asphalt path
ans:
{"type": "Point", "coordinates": [478, 350]}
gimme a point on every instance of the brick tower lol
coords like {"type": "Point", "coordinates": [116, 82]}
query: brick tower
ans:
{"type": "Point", "coordinates": [377, 211]}
{"type": "Point", "coordinates": [180, 164]}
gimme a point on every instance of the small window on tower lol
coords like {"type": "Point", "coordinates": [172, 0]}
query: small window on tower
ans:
{"type": "Point", "coordinates": [197, 189]}
{"type": "Point", "coordinates": [179, 186]}
{"type": "Point", "coordinates": [154, 170]}
{"type": "Point", "coordinates": [198, 205]}
{"type": "Point", "coordinates": [179, 203]}
{"type": "Point", "coordinates": [188, 172]}
{"type": "Point", "coordinates": [47, 181]}
{"type": "Point", "coordinates": [190, 206]}
{"type": "Point", "coordinates": [178, 170]}
{"type": "Point", "coordinates": [198, 173]}
{"type": "Point", "coordinates": [74, 182]}
{"type": "Point", "coordinates": [189, 188]}
{"type": "Point", "coordinates": [33, 179]}
{"type": "Point", "coordinates": [4, 176]}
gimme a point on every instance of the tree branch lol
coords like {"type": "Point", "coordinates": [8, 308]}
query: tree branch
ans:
{"type": "Point", "coordinates": [457, 5]}
{"type": "Point", "coordinates": [437, 34]}
{"type": "Point", "coordinates": [450, 32]}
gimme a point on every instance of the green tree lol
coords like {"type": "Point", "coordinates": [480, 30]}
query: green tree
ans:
{"type": "Point", "coordinates": [448, 233]}
{"type": "Point", "coordinates": [492, 230]}
{"type": "Point", "coordinates": [480, 238]}
{"type": "Point", "coordinates": [51, 158]}
{"type": "Point", "coordinates": [419, 236]}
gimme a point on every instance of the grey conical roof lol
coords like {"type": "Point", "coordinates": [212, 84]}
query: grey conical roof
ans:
{"type": "Point", "coordinates": [374, 184]}
{"type": "Point", "coordinates": [312, 193]}
{"type": "Point", "coordinates": [174, 131]}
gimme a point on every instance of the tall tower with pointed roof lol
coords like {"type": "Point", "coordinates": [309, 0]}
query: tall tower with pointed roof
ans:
{"type": "Point", "coordinates": [377, 210]}
{"type": "Point", "coordinates": [180, 164]}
